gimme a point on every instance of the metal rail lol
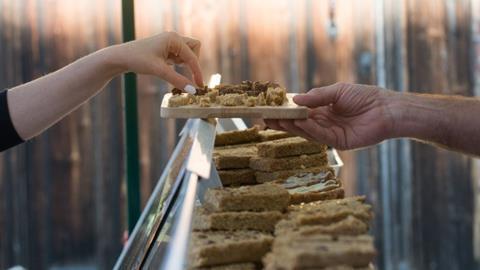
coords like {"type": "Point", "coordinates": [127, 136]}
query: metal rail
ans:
{"type": "Point", "coordinates": [161, 237]}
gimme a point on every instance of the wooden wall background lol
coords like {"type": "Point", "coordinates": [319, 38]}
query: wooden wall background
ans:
{"type": "Point", "coordinates": [62, 194]}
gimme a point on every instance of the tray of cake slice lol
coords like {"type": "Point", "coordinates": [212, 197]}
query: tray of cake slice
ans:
{"type": "Point", "coordinates": [248, 100]}
{"type": "Point", "coordinates": [282, 207]}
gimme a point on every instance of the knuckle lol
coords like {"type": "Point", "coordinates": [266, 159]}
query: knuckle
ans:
{"type": "Point", "coordinates": [341, 85]}
{"type": "Point", "coordinates": [196, 43]}
{"type": "Point", "coordinates": [314, 90]}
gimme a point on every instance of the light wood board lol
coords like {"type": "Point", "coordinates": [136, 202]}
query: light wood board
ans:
{"type": "Point", "coordinates": [289, 110]}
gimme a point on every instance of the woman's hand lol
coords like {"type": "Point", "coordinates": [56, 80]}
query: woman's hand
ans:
{"type": "Point", "coordinates": [344, 116]}
{"type": "Point", "coordinates": [37, 105]}
{"type": "Point", "coordinates": [156, 55]}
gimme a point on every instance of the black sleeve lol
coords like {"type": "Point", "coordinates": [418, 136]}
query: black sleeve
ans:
{"type": "Point", "coordinates": [8, 135]}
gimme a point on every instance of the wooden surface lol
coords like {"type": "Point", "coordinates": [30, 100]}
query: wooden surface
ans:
{"type": "Point", "coordinates": [62, 193]}
{"type": "Point", "coordinates": [289, 110]}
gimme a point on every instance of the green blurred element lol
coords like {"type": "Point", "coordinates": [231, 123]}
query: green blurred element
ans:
{"type": "Point", "coordinates": [131, 123]}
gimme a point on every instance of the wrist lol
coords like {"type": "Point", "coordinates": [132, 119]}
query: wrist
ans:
{"type": "Point", "coordinates": [111, 60]}
{"type": "Point", "coordinates": [416, 116]}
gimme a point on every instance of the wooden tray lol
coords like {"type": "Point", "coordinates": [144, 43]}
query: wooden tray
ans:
{"type": "Point", "coordinates": [289, 110]}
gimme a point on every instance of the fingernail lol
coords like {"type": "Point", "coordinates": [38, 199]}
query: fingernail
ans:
{"type": "Point", "coordinates": [190, 89]}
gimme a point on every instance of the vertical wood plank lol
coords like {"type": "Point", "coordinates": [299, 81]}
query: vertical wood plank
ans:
{"type": "Point", "coordinates": [443, 177]}
{"type": "Point", "coordinates": [157, 135]}
{"type": "Point", "coordinates": [106, 117]}
{"type": "Point", "coordinates": [475, 54]}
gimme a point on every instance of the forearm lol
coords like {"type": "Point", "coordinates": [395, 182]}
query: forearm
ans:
{"type": "Point", "coordinates": [37, 105]}
{"type": "Point", "coordinates": [449, 121]}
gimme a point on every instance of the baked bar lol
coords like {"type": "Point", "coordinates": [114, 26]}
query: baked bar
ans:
{"type": "Point", "coordinates": [320, 251]}
{"type": "Point", "coordinates": [258, 221]}
{"type": "Point", "coordinates": [348, 267]}
{"type": "Point", "coordinates": [234, 156]}
{"type": "Point", "coordinates": [348, 226]}
{"type": "Point", "coordinates": [213, 248]}
{"type": "Point", "coordinates": [327, 212]}
{"type": "Point", "coordinates": [264, 197]}
{"type": "Point", "coordinates": [263, 177]}
{"type": "Point", "coordinates": [245, 94]}
{"type": "Point", "coordinates": [237, 136]}
{"type": "Point", "coordinates": [237, 177]}
{"type": "Point", "coordinates": [270, 265]}
{"type": "Point", "coordinates": [289, 163]}
{"type": "Point", "coordinates": [232, 100]}
{"type": "Point", "coordinates": [308, 187]}
{"type": "Point", "coordinates": [236, 266]}
{"type": "Point", "coordinates": [179, 100]}
{"type": "Point", "coordinates": [271, 134]}
{"type": "Point", "coordinates": [275, 96]}
{"type": "Point", "coordinates": [293, 146]}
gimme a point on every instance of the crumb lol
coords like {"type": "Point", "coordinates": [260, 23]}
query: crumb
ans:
{"type": "Point", "coordinates": [251, 101]}
{"type": "Point", "coordinates": [204, 102]}
{"type": "Point", "coordinates": [231, 99]}
{"type": "Point", "coordinates": [178, 100]}
{"type": "Point", "coordinates": [276, 96]}
{"type": "Point", "coordinates": [176, 91]}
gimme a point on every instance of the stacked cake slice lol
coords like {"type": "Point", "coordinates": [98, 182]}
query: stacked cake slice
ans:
{"type": "Point", "coordinates": [235, 225]}
{"type": "Point", "coordinates": [279, 159]}
{"type": "Point", "coordinates": [324, 235]}
{"type": "Point", "coordinates": [232, 154]}
{"type": "Point", "coordinates": [300, 166]}
{"type": "Point", "coordinates": [281, 198]}
{"type": "Point", "coordinates": [251, 156]}
{"type": "Point", "coordinates": [234, 150]}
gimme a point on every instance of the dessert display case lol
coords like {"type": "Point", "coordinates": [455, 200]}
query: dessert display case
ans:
{"type": "Point", "coordinates": [161, 236]}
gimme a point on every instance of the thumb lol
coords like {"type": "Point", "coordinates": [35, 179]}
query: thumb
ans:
{"type": "Point", "coordinates": [317, 97]}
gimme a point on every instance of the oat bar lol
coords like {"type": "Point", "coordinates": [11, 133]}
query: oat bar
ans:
{"type": "Point", "coordinates": [213, 248]}
{"type": "Point", "coordinates": [288, 163]}
{"type": "Point", "coordinates": [348, 226]}
{"type": "Point", "coordinates": [234, 157]}
{"type": "Point", "coordinates": [236, 266]}
{"type": "Point", "coordinates": [293, 146]}
{"type": "Point", "coordinates": [237, 136]}
{"type": "Point", "coordinates": [258, 221]}
{"type": "Point", "coordinates": [237, 177]}
{"type": "Point", "coordinates": [320, 251]}
{"type": "Point", "coordinates": [271, 134]}
{"type": "Point", "coordinates": [264, 197]}
{"type": "Point", "coordinates": [244, 94]}
{"type": "Point", "coordinates": [179, 100]}
{"type": "Point", "coordinates": [326, 212]}
{"type": "Point", "coordinates": [308, 187]}
{"type": "Point", "coordinates": [263, 177]}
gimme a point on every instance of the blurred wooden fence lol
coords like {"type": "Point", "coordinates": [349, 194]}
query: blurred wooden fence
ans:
{"type": "Point", "coordinates": [62, 194]}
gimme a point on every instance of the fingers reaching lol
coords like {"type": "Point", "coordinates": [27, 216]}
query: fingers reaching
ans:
{"type": "Point", "coordinates": [191, 59]}
{"type": "Point", "coordinates": [320, 134]}
{"type": "Point", "coordinates": [307, 128]}
{"type": "Point", "coordinates": [194, 45]}
{"type": "Point", "coordinates": [273, 124]}
{"type": "Point", "coordinates": [186, 50]}
{"type": "Point", "coordinates": [170, 75]}
{"type": "Point", "coordinates": [290, 126]}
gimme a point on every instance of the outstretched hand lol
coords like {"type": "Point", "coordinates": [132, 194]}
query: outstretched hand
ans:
{"type": "Point", "coordinates": [344, 116]}
{"type": "Point", "coordinates": [156, 54]}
